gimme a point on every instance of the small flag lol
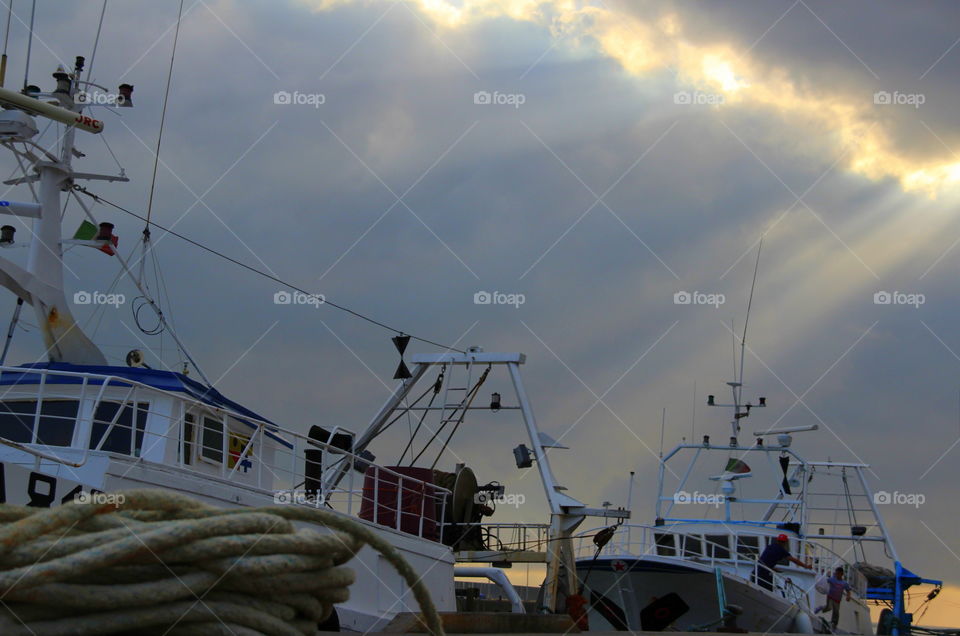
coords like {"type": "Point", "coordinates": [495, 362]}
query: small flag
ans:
{"type": "Point", "coordinates": [88, 232]}
{"type": "Point", "coordinates": [85, 232]}
{"type": "Point", "coordinates": [736, 466]}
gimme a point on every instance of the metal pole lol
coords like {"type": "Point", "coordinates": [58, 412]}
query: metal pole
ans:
{"type": "Point", "coordinates": [13, 325]}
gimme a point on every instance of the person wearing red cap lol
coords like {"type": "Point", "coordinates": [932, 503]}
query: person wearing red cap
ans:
{"type": "Point", "coordinates": [773, 554]}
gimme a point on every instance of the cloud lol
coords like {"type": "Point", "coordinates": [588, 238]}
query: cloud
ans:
{"type": "Point", "coordinates": [860, 127]}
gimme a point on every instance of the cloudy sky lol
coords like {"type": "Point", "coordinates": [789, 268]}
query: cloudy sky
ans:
{"type": "Point", "coordinates": [602, 161]}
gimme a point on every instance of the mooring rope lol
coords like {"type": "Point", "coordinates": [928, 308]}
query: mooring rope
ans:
{"type": "Point", "coordinates": [154, 561]}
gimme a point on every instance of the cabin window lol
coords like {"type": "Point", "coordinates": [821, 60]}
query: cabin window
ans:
{"type": "Point", "coordinates": [718, 546]}
{"type": "Point", "coordinates": [189, 431]}
{"type": "Point", "coordinates": [57, 420]}
{"type": "Point", "coordinates": [119, 439]}
{"type": "Point", "coordinates": [665, 544]}
{"type": "Point", "coordinates": [748, 546]}
{"type": "Point", "coordinates": [691, 546]}
{"type": "Point", "coordinates": [211, 442]}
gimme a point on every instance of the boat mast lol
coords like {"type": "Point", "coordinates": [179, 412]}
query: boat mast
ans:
{"type": "Point", "coordinates": [41, 283]}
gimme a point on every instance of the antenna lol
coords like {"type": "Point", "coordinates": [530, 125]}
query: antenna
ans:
{"type": "Point", "coordinates": [663, 423]}
{"type": "Point", "coordinates": [746, 321]}
{"type": "Point", "coordinates": [693, 417]}
{"type": "Point", "coordinates": [736, 386]}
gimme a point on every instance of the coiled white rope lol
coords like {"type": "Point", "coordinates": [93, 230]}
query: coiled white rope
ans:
{"type": "Point", "coordinates": [161, 562]}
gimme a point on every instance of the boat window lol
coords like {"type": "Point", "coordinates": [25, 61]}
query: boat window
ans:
{"type": "Point", "coordinates": [692, 545]}
{"type": "Point", "coordinates": [665, 544]}
{"type": "Point", "coordinates": [57, 420]}
{"type": "Point", "coordinates": [186, 446]}
{"type": "Point", "coordinates": [119, 438]}
{"type": "Point", "coordinates": [748, 546]}
{"type": "Point", "coordinates": [718, 546]}
{"type": "Point", "coordinates": [212, 440]}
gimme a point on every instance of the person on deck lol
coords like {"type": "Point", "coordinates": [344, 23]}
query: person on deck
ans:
{"type": "Point", "coordinates": [837, 587]}
{"type": "Point", "coordinates": [773, 554]}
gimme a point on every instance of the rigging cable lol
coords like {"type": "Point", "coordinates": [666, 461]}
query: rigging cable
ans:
{"type": "Point", "coordinates": [436, 390]}
{"type": "Point", "coordinates": [163, 117]}
{"type": "Point", "coordinates": [462, 406]}
{"type": "Point", "coordinates": [262, 273]}
{"type": "Point", "coordinates": [463, 414]}
{"type": "Point", "coordinates": [6, 38]}
{"type": "Point", "coordinates": [96, 40]}
{"type": "Point", "coordinates": [156, 154]}
{"type": "Point", "coordinates": [26, 69]}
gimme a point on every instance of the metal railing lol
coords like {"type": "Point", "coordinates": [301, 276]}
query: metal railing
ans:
{"type": "Point", "coordinates": [738, 554]}
{"type": "Point", "coordinates": [88, 414]}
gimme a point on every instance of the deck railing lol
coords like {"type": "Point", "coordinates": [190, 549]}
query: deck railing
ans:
{"type": "Point", "coordinates": [737, 554]}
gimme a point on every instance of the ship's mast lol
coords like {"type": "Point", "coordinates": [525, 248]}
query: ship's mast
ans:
{"type": "Point", "coordinates": [41, 283]}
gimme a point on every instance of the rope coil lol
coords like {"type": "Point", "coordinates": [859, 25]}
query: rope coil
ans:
{"type": "Point", "coordinates": [161, 562]}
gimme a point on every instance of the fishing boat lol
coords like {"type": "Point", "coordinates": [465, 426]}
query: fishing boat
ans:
{"type": "Point", "coordinates": [718, 507]}
{"type": "Point", "coordinates": [75, 428]}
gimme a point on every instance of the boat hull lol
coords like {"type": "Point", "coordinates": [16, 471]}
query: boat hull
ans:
{"type": "Point", "coordinates": [620, 588]}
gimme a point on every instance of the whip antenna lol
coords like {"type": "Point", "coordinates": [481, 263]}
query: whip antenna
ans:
{"type": "Point", "coordinates": [746, 321]}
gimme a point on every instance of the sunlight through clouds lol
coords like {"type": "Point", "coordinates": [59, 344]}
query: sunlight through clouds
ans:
{"type": "Point", "coordinates": [658, 42]}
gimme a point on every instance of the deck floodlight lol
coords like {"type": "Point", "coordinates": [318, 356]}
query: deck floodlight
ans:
{"type": "Point", "coordinates": [522, 454]}
{"type": "Point", "coordinates": [706, 440]}
{"type": "Point", "coordinates": [710, 400]}
{"type": "Point", "coordinates": [6, 234]}
{"type": "Point", "coordinates": [763, 401]}
{"type": "Point", "coordinates": [494, 402]}
{"type": "Point", "coordinates": [363, 461]}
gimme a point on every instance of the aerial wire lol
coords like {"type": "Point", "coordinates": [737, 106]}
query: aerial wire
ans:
{"type": "Point", "coordinates": [262, 273]}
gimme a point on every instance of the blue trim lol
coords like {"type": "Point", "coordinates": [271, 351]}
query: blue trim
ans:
{"type": "Point", "coordinates": [156, 378]}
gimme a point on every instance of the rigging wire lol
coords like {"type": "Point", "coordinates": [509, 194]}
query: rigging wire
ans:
{"type": "Point", "coordinates": [262, 273]}
{"type": "Point", "coordinates": [163, 118]}
{"type": "Point", "coordinates": [26, 69]}
{"type": "Point", "coordinates": [6, 39]}
{"type": "Point", "coordinates": [96, 40]}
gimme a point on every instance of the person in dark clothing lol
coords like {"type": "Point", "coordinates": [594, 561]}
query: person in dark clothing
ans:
{"type": "Point", "coordinates": [773, 554]}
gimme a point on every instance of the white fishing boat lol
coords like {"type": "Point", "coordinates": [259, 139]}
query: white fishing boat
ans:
{"type": "Point", "coordinates": [698, 566]}
{"type": "Point", "coordinates": [74, 426]}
